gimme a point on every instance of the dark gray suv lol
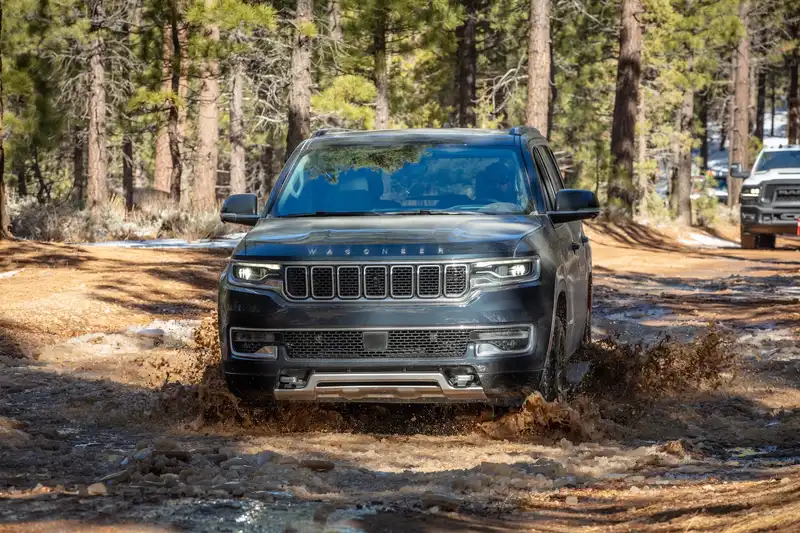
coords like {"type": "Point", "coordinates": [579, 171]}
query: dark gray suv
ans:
{"type": "Point", "coordinates": [408, 265]}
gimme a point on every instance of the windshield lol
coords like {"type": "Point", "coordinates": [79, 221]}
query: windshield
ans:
{"type": "Point", "coordinates": [782, 159]}
{"type": "Point", "coordinates": [410, 179]}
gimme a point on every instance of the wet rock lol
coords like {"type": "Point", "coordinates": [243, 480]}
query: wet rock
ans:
{"type": "Point", "coordinates": [236, 461]}
{"type": "Point", "coordinates": [163, 443]}
{"type": "Point", "coordinates": [265, 458]}
{"type": "Point", "coordinates": [571, 500]}
{"type": "Point", "coordinates": [323, 512]}
{"type": "Point", "coordinates": [546, 467]}
{"type": "Point", "coordinates": [468, 483]}
{"type": "Point", "coordinates": [179, 455]}
{"type": "Point", "coordinates": [318, 465]}
{"type": "Point", "coordinates": [152, 478]}
{"type": "Point", "coordinates": [97, 489]}
{"type": "Point", "coordinates": [184, 474]}
{"type": "Point", "coordinates": [567, 481]}
{"type": "Point", "coordinates": [117, 477]}
{"type": "Point", "coordinates": [142, 444]}
{"type": "Point", "coordinates": [216, 458]}
{"type": "Point", "coordinates": [444, 502]}
{"type": "Point", "coordinates": [231, 487]}
{"type": "Point", "coordinates": [142, 454]}
{"type": "Point", "coordinates": [498, 469]}
{"type": "Point", "coordinates": [170, 480]}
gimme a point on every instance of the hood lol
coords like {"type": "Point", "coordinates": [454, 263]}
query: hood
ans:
{"type": "Point", "coordinates": [390, 237]}
{"type": "Point", "coordinates": [782, 174]}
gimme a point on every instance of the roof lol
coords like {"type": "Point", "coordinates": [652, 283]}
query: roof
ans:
{"type": "Point", "coordinates": [434, 135]}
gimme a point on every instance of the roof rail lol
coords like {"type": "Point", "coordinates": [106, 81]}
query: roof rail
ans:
{"type": "Point", "coordinates": [523, 130]}
{"type": "Point", "coordinates": [325, 131]}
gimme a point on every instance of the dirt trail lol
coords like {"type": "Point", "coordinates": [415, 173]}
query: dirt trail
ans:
{"type": "Point", "coordinates": [92, 341]}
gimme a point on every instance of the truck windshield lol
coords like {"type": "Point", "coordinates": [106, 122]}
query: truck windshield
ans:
{"type": "Point", "coordinates": [408, 179]}
{"type": "Point", "coordinates": [775, 160]}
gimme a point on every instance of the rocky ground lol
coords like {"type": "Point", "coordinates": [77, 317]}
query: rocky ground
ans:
{"type": "Point", "coordinates": [108, 421]}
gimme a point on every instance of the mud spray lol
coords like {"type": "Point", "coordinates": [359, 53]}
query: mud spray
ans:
{"type": "Point", "coordinates": [622, 382]}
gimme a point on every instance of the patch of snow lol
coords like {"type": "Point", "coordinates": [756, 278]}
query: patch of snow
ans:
{"type": "Point", "coordinates": [10, 273]}
{"type": "Point", "coordinates": [228, 241]}
{"type": "Point", "coordinates": [707, 241]}
{"type": "Point", "coordinates": [180, 332]}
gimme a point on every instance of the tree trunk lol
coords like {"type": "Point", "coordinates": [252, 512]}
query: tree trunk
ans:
{"type": "Point", "coordinates": [642, 180]}
{"type": "Point", "coordinates": [205, 168]}
{"type": "Point", "coordinates": [238, 182]}
{"type": "Point", "coordinates": [5, 217]}
{"type": "Point", "coordinates": [163, 164]}
{"type": "Point", "coordinates": [300, 89]}
{"type": "Point", "coordinates": [740, 133]}
{"type": "Point", "coordinates": [78, 170]}
{"type": "Point", "coordinates": [127, 140]}
{"type": "Point", "coordinates": [178, 88]}
{"type": "Point", "coordinates": [704, 125]}
{"type": "Point", "coordinates": [335, 20]}
{"type": "Point", "coordinates": [267, 178]}
{"type": "Point", "coordinates": [97, 187]}
{"type": "Point", "coordinates": [794, 100]}
{"type": "Point", "coordinates": [684, 185]}
{"type": "Point", "coordinates": [467, 65]}
{"type": "Point", "coordinates": [761, 103]}
{"type": "Point", "coordinates": [623, 129]}
{"type": "Point", "coordinates": [21, 172]}
{"type": "Point", "coordinates": [772, 105]}
{"type": "Point", "coordinates": [536, 111]}
{"type": "Point", "coordinates": [380, 67]}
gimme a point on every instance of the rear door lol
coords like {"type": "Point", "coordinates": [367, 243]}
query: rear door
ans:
{"type": "Point", "coordinates": [570, 237]}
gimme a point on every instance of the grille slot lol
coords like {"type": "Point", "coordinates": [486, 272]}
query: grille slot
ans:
{"type": "Point", "coordinates": [429, 281]}
{"type": "Point", "coordinates": [322, 282]}
{"type": "Point", "coordinates": [402, 281]}
{"type": "Point", "coordinates": [297, 282]}
{"type": "Point", "coordinates": [375, 281]}
{"type": "Point", "coordinates": [344, 344]}
{"type": "Point", "coordinates": [455, 280]}
{"type": "Point", "coordinates": [348, 281]}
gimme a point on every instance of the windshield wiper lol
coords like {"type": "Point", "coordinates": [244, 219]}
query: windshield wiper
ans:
{"type": "Point", "coordinates": [432, 212]}
{"type": "Point", "coordinates": [333, 214]}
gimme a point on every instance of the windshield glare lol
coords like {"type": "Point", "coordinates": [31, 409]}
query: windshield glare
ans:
{"type": "Point", "coordinates": [406, 179]}
{"type": "Point", "coordinates": [775, 160]}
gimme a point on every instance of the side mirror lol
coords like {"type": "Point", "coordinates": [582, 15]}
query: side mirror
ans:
{"type": "Point", "coordinates": [737, 171]}
{"type": "Point", "coordinates": [240, 209]}
{"type": "Point", "coordinates": [575, 204]}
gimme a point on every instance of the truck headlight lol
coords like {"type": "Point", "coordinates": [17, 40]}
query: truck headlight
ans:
{"type": "Point", "coordinates": [505, 271]}
{"type": "Point", "coordinates": [751, 192]}
{"type": "Point", "coordinates": [254, 273]}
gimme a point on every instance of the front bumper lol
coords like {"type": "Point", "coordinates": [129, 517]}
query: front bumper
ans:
{"type": "Point", "coordinates": [417, 379]}
{"type": "Point", "coordinates": [778, 220]}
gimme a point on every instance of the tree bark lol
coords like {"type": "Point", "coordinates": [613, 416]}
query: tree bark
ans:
{"type": "Point", "coordinates": [772, 105]}
{"type": "Point", "coordinates": [537, 108]}
{"type": "Point", "coordinates": [467, 65]}
{"type": "Point", "coordinates": [97, 187]}
{"type": "Point", "coordinates": [78, 170]}
{"type": "Point", "coordinates": [163, 165]}
{"type": "Point", "coordinates": [335, 20]}
{"type": "Point", "coordinates": [127, 139]}
{"type": "Point", "coordinates": [300, 89]}
{"type": "Point", "coordinates": [178, 86]}
{"type": "Point", "coordinates": [21, 171]}
{"type": "Point", "coordinates": [740, 133]}
{"type": "Point", "coordinates": [5, 216]}
{"type": "Point", "coordinates": [623, 129]}
{"type": "Point", "coordinates": [684, 185]}
{"type": "Point", "coordinates": [205, 168]}
{"type": "Point", "coordinates": [266, 176]}
{"type": "Point", "coordinates": [794, 100]}
{"type": "Point", "coordinates": [642, 180]}
{"type": "Point", "coordinates": [703, 112]}
{"type": "Point", "coordinates": [380, 68]}
{"type": "Point", "coordinates": [238, 181]}
{"type": "Point", "coordinates": [761, 103]}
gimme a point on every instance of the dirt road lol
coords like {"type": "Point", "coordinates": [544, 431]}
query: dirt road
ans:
{"type": "Point", "coordinates": [96, 436]}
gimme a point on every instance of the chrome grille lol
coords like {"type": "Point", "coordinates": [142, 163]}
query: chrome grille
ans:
{"type": "Point", "coordinates": [429, 281]}
{"type": "Point", "coordinates": [296, 282]}
{"type": "Point", "coordinates": [348, 282]}
{"type": "Point", "coordinates": [322, 282]}
{"type": "Point", "coordinates": [375, 282]}
{"type": "Point", "coordinates": [348, 344]}
{"type": "Point", "coordinates": [455, 280]}
{"type": "Point", "coordinates": [402, 281]}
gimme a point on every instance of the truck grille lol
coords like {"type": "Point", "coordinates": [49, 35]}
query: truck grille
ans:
{"type": "Point", "coordinates": [349, 344]}
{"type": "Point", "coordinates": [788, 194]}
{"type": "Point", "coordinates": [375, 282]}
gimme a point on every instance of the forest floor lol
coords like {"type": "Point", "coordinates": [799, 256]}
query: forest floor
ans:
{"type": "Point", "coordinates": [96, 436]}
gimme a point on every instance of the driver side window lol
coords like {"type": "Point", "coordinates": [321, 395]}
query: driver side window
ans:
{"type": "Point", "coordinates": [549, 184]}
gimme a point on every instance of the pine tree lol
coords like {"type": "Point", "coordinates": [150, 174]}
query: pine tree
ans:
{"type": "Point", "coordinates": [537, 110]}
{"type": "Point", "coordinates": [5, 218]}
{"type": "Point", "coordinates": [299, 127]}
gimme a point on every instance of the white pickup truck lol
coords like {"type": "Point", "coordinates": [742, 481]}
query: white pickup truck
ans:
{"type": "Point", "coordinates": [770, 197]}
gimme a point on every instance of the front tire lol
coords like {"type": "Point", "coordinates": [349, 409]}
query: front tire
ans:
{"type": "Point", "coordinates": [554, 375]}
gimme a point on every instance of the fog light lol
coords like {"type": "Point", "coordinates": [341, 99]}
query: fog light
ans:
{"type": "Point", "coordinates": [254, 344]}
{"type": "Point", "coordinates": [499, 341]}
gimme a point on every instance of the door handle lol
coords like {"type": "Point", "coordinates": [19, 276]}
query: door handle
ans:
{"type": "Point", "coordinates": [575, 246]}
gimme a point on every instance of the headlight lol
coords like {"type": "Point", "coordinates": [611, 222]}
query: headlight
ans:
{"type": "Point", "coordinates": [751, 192]}
{"type": "Point", "coordinates": [505, 271]}
{"type": "Point", "coordinates": [255, 273]}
